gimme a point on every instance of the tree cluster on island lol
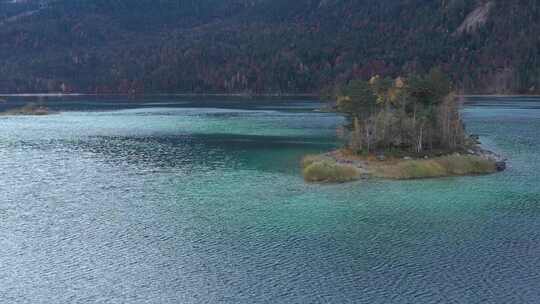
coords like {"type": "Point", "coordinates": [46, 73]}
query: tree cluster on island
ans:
{"type": "Point", "coordinates": [416, 114]}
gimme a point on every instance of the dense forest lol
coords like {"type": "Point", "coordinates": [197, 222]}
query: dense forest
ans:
{"type": "Point", "coordinates": [414, 114]}
{"type": "Point", "coordinates": [264, 46]}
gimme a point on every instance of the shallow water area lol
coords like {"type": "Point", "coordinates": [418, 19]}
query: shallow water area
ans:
{"type": "Point", "coordinates": [177, 200]}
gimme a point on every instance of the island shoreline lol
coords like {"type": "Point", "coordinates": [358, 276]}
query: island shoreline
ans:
{"type": "Point", "coordinates": [474, 162]}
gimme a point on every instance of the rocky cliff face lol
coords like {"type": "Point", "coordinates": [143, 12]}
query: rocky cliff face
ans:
{"type": "Point", "coordinates": [476, 19]}
{"type": "Point", "coordinates": [264, 46]}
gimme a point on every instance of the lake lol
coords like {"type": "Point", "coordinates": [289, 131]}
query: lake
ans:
{"type": "Point", "coordinates": [172, 200]}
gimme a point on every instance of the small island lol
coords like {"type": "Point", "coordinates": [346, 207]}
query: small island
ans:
{"type": "Point", "coordinates": [403, 128]}
{"type": "Point", "coordinates": [29, 109]}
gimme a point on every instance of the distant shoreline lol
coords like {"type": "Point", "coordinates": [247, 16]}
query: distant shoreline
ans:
{"type": "Point", "coordinates": [497, 95]}
{"type": "Point", "coordinates": [157, 94]}
{"type": "Point", "coordinates": [311, 95]}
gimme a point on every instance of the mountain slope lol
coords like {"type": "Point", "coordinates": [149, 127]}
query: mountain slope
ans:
{"type": "Point", "coordinates": [266, 46]}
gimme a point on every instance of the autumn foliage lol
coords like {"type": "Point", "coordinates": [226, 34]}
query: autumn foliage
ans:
{"type": "Point", "coordinates": [414, 114]}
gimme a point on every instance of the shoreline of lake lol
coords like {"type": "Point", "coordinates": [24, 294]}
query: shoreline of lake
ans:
{"type": "Point", "coordinates": [306, 95]}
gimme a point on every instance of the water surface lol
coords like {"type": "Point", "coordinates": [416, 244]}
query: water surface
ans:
{"type": "Point", "coordinates": [167, 201]}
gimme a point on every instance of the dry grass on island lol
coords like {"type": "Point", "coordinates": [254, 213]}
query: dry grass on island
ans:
{"type": "Point", "coordinates": [443, 166]}
{"type": "Point", "coordinates": [316, 168]}
{"type": "Point", "coordinates": [342, 166]}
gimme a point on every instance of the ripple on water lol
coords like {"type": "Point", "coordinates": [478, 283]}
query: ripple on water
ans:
{"type": "Point", "coordinates": [202, 205]}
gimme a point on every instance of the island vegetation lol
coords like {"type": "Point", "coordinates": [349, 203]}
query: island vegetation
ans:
{"type": "Point", "coordinates": [29, 109]}
{"type": "Point", "coordinates": [403, 128]}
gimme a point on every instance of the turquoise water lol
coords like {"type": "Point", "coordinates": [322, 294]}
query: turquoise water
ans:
{"type": "Point", "coordinates": [185, 202]}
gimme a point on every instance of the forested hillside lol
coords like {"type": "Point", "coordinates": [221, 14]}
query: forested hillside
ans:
{"type": "Point", "coordinates": [264, 46]}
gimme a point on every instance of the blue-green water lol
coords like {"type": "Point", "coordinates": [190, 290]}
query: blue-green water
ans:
{"type": "Point", "coordinates": [160, 202]}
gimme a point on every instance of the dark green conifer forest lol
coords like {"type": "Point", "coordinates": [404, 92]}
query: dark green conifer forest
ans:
{"type": "Point", "coordinates": [264, 46]}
